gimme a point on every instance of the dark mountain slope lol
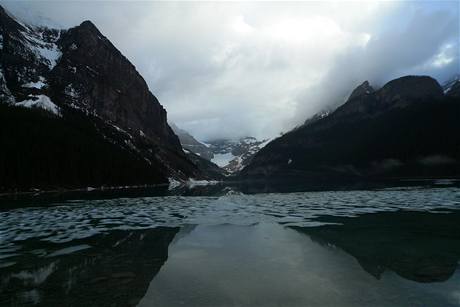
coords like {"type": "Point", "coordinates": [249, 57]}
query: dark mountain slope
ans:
{"type": "Point", "coordinates": [419, 246]}
{"type": "Point", "coordinates": [452, 87]}
{"type": "Point", "coordinates": [206, 166]}
{"type": "Point", "coordinates": [44, 151]}
{"type": "Point", "coordinates": [406, 129]}
{"type": "Point", "coordinates": [92, 104]}
{"type": "Point", "coordinates": [190, 143]}
{"type": "Point", "coordinates": [97, 77]}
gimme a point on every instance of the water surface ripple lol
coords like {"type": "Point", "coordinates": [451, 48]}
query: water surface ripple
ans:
{"type": "Point", "coordinates": [72, 220]}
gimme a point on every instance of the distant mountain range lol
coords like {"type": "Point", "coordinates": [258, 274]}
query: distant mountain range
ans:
{"type": "Point", "coordinates": [231, 155]}
{"type": "Point", "coordinates": [408, 128]}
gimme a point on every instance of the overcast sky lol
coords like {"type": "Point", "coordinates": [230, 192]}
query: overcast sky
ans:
{"type": "Point", "coordinates": [235, 69]}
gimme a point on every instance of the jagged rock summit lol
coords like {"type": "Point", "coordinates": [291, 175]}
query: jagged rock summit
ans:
{"type": "Point", "coordinates": [363, 89]}
{"type": "Point", "coordinates": [404, 90]}
{"type": "Point", "coordinates": [398, 93]}
{"type": "Point", "coordinates": [94, 75]}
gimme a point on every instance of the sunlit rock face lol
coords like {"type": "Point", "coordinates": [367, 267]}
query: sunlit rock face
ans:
{"type": "Point", "coordinates": [79, 76]}
{"type": "Point", "coordinates": [390, 132]}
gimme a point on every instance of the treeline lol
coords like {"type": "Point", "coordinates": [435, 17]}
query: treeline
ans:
{"type": "Point", "coordinates": [40, 150]}
{"type": "Point", "coordinates": [422, 140]}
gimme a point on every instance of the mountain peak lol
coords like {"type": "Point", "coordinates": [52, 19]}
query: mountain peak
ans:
{"type": "Point", "coordinates": [393, 132]}
{"type": "Point", "coordinates": [363, 89]}
{"type": "Point", "coordinates": [88, 29]}
{"type": "Point", "coordinates": [88, 24]}
{"type": "Point", "coordinates": [411, 87]}
{"type": "Point", "coordinates": [9, 22]}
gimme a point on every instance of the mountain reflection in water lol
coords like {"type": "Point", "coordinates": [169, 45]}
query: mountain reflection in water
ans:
{"type": "Point", "coordinates": [112, 269]}
{"type": "Point", "coordinates": [267, 264]}
{"type": "Point", "coordinates": [419, 246]}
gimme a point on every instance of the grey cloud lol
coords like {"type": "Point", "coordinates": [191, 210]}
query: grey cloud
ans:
{"type": "Point", "coordinates": [404, 50]}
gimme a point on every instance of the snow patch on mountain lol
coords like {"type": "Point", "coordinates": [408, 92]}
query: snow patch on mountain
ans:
{"type": "Point", "coordinates": [233, 155]}
{"type": "Point", "coordinates": [173, 183]}
{"type": "Point", "coordinates": [447, 86]}
{"type": "Point", "coordinates": [48, 51]}
{"type": "Point", "coordinates": [71, 91]}
{"type": "Point", "coordinates": [41, 102]}
{"type": "Point", "coordinates": [222, 160]}
{"type": "Point", "coordinates": [38, 84]}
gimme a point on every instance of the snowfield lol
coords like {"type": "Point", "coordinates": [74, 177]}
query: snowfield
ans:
{"type": "Point", "coordinates": [222, 159]}
{"type": "Point", "coordinates": [38, 85]}
{"type": "Point", "coordinates": [48, 51]}
{"type": "Point", "coordinates": [42, 102]}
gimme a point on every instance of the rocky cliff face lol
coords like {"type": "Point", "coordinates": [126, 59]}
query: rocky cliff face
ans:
{"type": "Point", "coordinates": [407, 128]}
{"type": "Point", "coordinates": [27, 56]}
{"type": "Point", "coordinates": [93, 75]}
{"type": "Point", "coordinates": [190, 143]}
{"type": "Point", "coordinates": [406, 90]}
{"type": "Point", "coordinates": [362, 90]}
{"type": "Point", "coordinates": [79, 76]}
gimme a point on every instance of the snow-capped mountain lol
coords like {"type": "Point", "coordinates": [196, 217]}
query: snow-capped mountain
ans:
{"type": "Point", "coordinates": [233, 155]}
{"type": "Point", "coordinates": [452, 86]}
{"type": "Point", "coordinates": [88, 103]}
{"type": "Point", "coordinates": [230, 155]}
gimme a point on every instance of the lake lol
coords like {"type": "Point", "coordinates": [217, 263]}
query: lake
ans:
{"type": "Point", "coordinates": [394, 246]}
